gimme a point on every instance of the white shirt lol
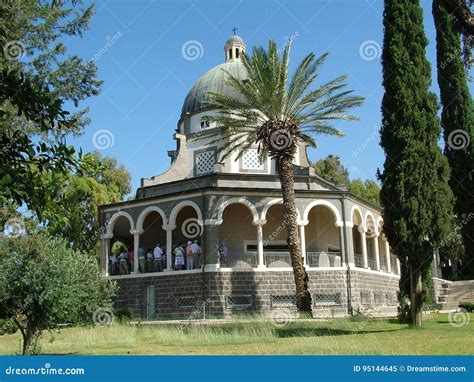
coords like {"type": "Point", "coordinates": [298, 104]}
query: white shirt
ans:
{"type": "Point", "coordinates": [157, 253]}
{"type": "Point", "coordinates": [195, 249]}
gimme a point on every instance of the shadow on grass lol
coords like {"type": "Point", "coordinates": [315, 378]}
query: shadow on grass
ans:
{"type": "Point", "coordinates": [320, 332]}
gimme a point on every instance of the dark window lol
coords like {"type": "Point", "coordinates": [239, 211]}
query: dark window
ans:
{"type": "Point", "coordinates": [327, 299]}
{"type": "Point", "coordinates": [287, 300]}
{"type": "Point", "coordinates": [239, 301]}
{"type": "Point", "coordinates": [230, 53]}
{"type": "Point", "coordinates": [236, 52]}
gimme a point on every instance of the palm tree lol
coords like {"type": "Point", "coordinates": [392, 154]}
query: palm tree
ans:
{"type": "Point", "coordinates": [276, 113]}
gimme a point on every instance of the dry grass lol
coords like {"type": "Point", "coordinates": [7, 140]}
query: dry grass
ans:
{"type": "Point", "coordinates": [381, 337]}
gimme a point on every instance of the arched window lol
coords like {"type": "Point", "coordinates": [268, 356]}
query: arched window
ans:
{"type": "Point", "coordinates": [230, 54]}
{"type": "Point", "coordinates": [236, 52]}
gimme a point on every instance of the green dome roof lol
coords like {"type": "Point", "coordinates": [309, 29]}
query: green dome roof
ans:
{"type": "Point", "coordinates": [213, 81]}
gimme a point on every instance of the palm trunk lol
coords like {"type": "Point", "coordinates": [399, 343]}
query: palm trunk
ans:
{"type": "Point", "coordinates": [285, 171]}
{"type": "Point", "coordinates": [416, 288]}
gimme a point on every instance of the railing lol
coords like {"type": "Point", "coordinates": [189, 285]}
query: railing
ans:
{"type": "Point", "coordinates": [372, 263]}
{"type": "Point", "coordinates": [277, 259]}
{"type": "Point", "coordinates": [324, 259]}
{"type": "Point", "coordinates": [359, 260]}
{"type": "Point", "coordinates": [245, 260]}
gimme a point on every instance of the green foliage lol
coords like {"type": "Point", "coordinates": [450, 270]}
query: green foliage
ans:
{"type": "Point", "coordinates": [7, 326]}
{"type": "Point", "coordinates": [332, 169]}
{"type": "Point", "coordinates": [469, 306]}
{"type": "Point", "coordinates": [45, 283]}
{"type": "Point", "coordinates": [367, 189]}
{"type": "Point", "coordinates": [79, 196]}
{"type": "Point", "coordinates": [415, 193]}
{"type": "Point", "coordinates": [37, 79]}
{"type": "Point", "coordinates": [123, 315]}
{"type": "Point", "coordinates": [457, 121]}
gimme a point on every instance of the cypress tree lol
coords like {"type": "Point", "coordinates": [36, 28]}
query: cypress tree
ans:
{"type": "Point", "coordinates": [415, 193]}
{"type": "Point", "coordinates": [457, 121]}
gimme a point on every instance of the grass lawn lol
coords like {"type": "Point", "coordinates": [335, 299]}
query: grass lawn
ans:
{"type": "Point", "coordinates": [377, 337]}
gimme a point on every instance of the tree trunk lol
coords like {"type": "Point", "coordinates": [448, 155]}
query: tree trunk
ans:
{"type": "Point", "coordinates": [285, 171]}
{"type": "Point", "coordinates": [416, 288]}
{"type": "Point", "coordinates": [29, 336]}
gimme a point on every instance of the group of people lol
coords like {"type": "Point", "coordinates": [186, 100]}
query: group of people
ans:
{"type": "Point", "coordinates": [184, 256]}
{"type": "Point", "coordinates": [187, 256]}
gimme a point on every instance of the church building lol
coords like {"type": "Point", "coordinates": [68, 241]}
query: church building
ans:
{"type": "Point", "coordinates": [231, 210]}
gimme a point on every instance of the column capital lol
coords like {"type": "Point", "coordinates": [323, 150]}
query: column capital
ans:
{"type": "Point", "coordinates": [361, 229]}
{"type": "Point", "coordinates": [259, 222]}
{"type": "Point", "coordinates": [302, 222]}
{"type": "Point", "coordinates": [168, 227]}
{"type": "Point", "coordinates": [106, 236]}
{"type": "Point", "coordinates": [136, 231]}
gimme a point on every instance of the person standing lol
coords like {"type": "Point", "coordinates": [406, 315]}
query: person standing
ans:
{"type": "Point", "coordinates": [196, 251]}
{"type": "Point", "coordinates": [141, 260]}
{"type": "Point", "coordinates": [189, 256]}
{"type": "Point", "coordinates": [158, 259]}
{"type": "Point", "coordinates": [223, 251]}
{"type": "Point", "coordinates": [178, 258]}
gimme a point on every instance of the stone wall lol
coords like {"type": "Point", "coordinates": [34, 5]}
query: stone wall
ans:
{"type": "Point", "coordinates": [225, 293]}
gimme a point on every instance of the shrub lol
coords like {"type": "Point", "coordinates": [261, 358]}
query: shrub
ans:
{"type": "Point", "coordinates": [468, 305]}
{"type": "Point", "coordinates": [7, 326]}
{"type": "Point", "coordinates": [123, 314]}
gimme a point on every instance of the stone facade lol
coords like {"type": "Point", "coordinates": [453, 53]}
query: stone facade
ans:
{"type": "Point", "coordinates": [223, 293]}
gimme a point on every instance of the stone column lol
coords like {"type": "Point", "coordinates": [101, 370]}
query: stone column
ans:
{"type": "Point", "coordinates": [303, 242]}
{"type": "Point", "coordinates": [211, 244]}
{"type": "Point", "coordinates": [136, 244]}
{"type": "Point", "coordinates": [365, 261]}
{"type": "Point", "coordinates": [169, 245]}
{"type": "Point", "coordinates": [387, 256]}
{"type": "Point", "coordinates": [106, 252]}
{"type": "Point", "coordinates": [350, 245]}
{"type": "Point", "coordinates": [399, 271]}
{"type": "Point", "coordinates": [260, 258]}
{"type": "Point", "coordinates": [377, 252]}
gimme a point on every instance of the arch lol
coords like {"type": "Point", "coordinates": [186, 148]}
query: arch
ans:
{"type": "Point", "coordinates": [243, 201]}
{"type": "Point", "coordinates": [368, 215]}
{"type": "Point", "coordinates": [379, 225]}
{"type": "Point", "coordinates": [144, 214]}
{"type": "Point", "coordinates": [322, 202]}
{"type": "Point", "coordinates": [272, 203]}
{"type": "Point", "coordinates": [356, 209]}
{"type": "Point", "coordinates": [178, 207]}
{"type": "Point", "coordinates": [111, 223]}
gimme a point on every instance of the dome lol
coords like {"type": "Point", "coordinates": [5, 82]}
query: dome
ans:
{"type": "Point", "coordinates": [213, 81]}
{"type": "Point", "coordinates": [235, 39]}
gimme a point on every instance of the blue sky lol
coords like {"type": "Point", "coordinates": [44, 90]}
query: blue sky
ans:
{"type": "Point", "coordinates": [146, 76]}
